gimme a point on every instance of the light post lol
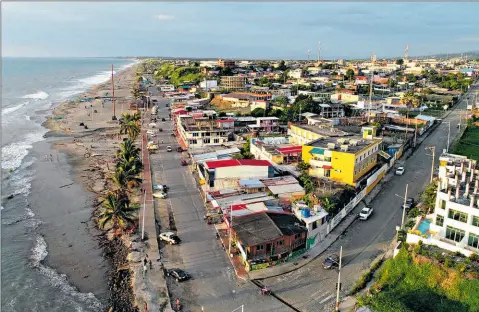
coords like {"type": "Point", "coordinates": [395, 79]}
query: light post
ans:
{"type": "Point", "coordinates": [339, 278]}
{"type": "Point", "coordinates": [404, 206]}
{"type": "Point", "coordinates": [448, 134]}
{"type": "Point", "coordinates": [433, 151]}
{"type": "Point", "coordinates": [231, 229]}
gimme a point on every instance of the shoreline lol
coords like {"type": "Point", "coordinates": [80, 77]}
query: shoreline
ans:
{"type": "Point", "coordinates": [69, 142]}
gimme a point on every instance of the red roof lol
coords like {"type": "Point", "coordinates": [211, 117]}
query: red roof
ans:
{"type": "Point", "coordinates": [290, 149]}
{"type": "Point", "coordinates": [361, 78]}
{"type": "Point", "coordinates": [236, 162]}
{"type": "Point", "coordinates": [225, 120]}
{"type": "Point", "coordinates": [238, 207]}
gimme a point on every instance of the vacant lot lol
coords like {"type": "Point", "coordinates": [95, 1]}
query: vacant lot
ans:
{"type": "Point", "coordinates": [468, 145]}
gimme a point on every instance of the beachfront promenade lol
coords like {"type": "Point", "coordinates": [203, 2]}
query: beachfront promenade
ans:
{"type": "Point", "coordinates": [150, 288]}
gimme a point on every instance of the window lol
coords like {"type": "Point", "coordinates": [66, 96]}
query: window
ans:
{"type": "Point", "coordinates": [260, 247]}
{"type": "Point", "coordinates": [473, 240]}
{"type": "Point", "coordinates": [297, 235]}
{"type": "Point", "coordinates": [458, 216]}
{"type": "Point", "coordinates": [280, 243]}
{"type": "Point", "coordinates": [195, 134]}
{"type": "Point", "coordinates": [315, 225]}
{"type": "Point", "coordinates": [475, 221]}
{"type": "Point", "coordinates": [327, 159]}
{"type": "Point", "coordinates": [439, 220]}
{"type": "Point", "coordinates": [206, 141]}
{"type": "Point", "coordinates": [327, 173]}
{"type": "Point", "coordinates": [454, 234]}
{"type": "Point", "coordinates": [443, 204]}
{"type": "Point", "coordinates": [193, 142]}
{"type": "Point", "coordinates": [216, 140]}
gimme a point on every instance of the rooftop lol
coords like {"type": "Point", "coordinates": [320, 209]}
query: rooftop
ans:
{"type": "Point", "coordinates": [324, 131]}
{"type": "Point", "coordinates": [354, 144]}
{"type": "Point", "coordinates": [236, 162]}
{"type": "Point", "coordinates": [263, 227]}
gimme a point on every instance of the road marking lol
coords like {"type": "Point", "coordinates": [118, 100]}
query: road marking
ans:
{"type": "Point", "coordinates": [326, 299]}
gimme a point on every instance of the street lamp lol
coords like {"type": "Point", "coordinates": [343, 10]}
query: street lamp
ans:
{"type": "Point", "coordinates": [404, 206]}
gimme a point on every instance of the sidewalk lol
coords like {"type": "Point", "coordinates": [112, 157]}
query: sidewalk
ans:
{"type": "Point", "coordinates": [238, 265]}
{"type": "Point", "coordinates": [151, 293]}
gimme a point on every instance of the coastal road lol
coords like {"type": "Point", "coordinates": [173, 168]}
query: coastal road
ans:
{"type": "Point", "coordinates": [311, 288]}
{"type": "Point", "coordinates": [214, 285]}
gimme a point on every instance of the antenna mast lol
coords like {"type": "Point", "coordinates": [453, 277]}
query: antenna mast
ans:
{"type": "Point", "coordinates": [319, 51]}
{"type": "Point", "coordinates": [406, 53]}
{"type": "Point", "coordinates": [113, 93]}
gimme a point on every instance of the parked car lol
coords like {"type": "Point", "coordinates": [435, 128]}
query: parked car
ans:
{"type": "Point", "coordinates": [160, 194]}
{"type": "Point", "coordinates": [399, 171]}
{"type": "Point", "coordinates": [409, 204]}
{"type": "Point", "coordinates": [160, 187]}
{"type": "Point", "coordinates": [178, 274]}
{"type": "Point", "coordinates": [168, 149]}
{"type": "Point", "coordinates": [365, 213]}
{"type": "Point", "coordinates": [151, 132]}
{"type": "Point", "coordinates": [331, 262]}
{"type": "Point", "coordinates": [170, 238]}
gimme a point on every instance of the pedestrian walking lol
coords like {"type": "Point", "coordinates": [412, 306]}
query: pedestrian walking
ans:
{"type": "Point", "coordinates": [151, 265]}
{"type": "Point", "coordinates": [145, 261]}
{"type": "Point", "coordinates": [51, 157]}
{"type": "Point", "coordinates": [144, 270]}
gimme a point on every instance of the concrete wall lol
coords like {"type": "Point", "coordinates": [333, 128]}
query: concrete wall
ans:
{"type": "Point", "coordinates": [242, 172]}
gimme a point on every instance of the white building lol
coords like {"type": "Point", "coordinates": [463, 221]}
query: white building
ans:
{"type": "Point", "coordinates": [198, 131]}
{"type": "Point", "coordinates": [296, 74]}
{"type": "Point", "coordinates": [209, 84]}
{"type": "Point", "coordinates": [455, 221]}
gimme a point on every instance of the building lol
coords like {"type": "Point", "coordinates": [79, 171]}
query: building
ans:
{"type": "Point", "coordinates": [209, 84]}
{"type": "Point", "coordinates": [275, 149]}
{"type": "Point", "coordinates": [344, 160]}
{"type": "Point", "coordinates": [226, 63]}
{"type": "Point", "coordinates": [266, 237]}
{"type": "Point", "coordinates": [196, 130]}
{"type": "Point", "coordinates": [233, 83]}
{"type": "Point", "coordinates": [301, 133]}
{"type": "Point", "coordinates": [455, 221]}
{"type": "Point", "coordinates": [226, 173]}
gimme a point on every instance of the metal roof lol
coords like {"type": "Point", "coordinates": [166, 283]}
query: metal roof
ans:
{"type": "Point", "coordinates": [286, 188]}
{"type": "Point", "coordinates": [250, 183]}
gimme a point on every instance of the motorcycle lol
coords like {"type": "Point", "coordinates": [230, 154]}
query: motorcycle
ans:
{"type": "Point", "coordinates": [265, 291]}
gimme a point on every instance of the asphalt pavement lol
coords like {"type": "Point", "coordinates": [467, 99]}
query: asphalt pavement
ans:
{"type": "Point", "coordinates": [311, 288]}
{"type": "Point", "coordinates": [214, 285]}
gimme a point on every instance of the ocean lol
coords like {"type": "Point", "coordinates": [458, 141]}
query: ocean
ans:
{"type": "Point", "coordinates": [31, 87]}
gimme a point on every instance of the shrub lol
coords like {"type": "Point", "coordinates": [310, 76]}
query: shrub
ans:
{"type": "Point", "coordinates": [414, 212]}
{"type": "Point", "coordinates": [410, 223]}
{"type": "Point", "coordinates": [474, 257]}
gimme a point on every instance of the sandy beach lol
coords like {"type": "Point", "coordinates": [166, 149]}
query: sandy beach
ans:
{"type": "Point", "coordinates": [70, 184]}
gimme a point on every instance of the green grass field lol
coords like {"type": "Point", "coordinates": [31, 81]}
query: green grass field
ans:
{"type": "Point", "coordinates": [407, 285]}
{"type": "Point", "coordinates": [468, 145]}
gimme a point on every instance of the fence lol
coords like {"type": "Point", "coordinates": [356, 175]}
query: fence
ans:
{"type": "Point", "coordinates": [346, 210]}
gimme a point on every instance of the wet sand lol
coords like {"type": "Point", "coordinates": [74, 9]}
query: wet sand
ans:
{"type": "Point", "coordinates": [65, 189]}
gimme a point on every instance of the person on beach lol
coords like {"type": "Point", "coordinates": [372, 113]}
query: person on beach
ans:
{"type": "Point", "coordinates": [144, 270]}
{"type": "Point", "coordinates": [145, 261]}
{"type": "Point", "coordinates": [51, 157]}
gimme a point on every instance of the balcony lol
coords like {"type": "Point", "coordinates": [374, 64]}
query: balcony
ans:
{"type": "Point", "coordinates": [320, 163]}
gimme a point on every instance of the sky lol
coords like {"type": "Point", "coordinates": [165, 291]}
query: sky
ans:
{"type": "Point", "coordinates": [249, 30]}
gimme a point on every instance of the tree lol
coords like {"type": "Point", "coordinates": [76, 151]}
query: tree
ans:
{"type": "Point", "coordinates": [429, 197]}
{"type": "Point", "coordinates": [125, 178]}
{"type": "Point", "coordinates": [306, 182]}
{"type": "Point", "coordinates": [350, 74]}
{"type": "Point", "coordinates": [117, 211]}
{"type": "Point", "coordinates": [302, 166]}
{"type": "Point", "coordinates": [258, 112]}
{"type": "Point", "coordinates": [340, 85]}
{"type": "Point", "coordinates": [282, 65]}
{"type": "Point", "coordinates": [410, 99]}
{"type": "Point", "coordinates": [245, 150]}
{"type": "Point", "coordinates": [399, 62]}
{"type": "Point", "coordinates": [329, 206]}
{"type": "Point", "coordinates": [128, 157]}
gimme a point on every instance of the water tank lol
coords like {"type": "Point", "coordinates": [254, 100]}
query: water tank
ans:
{"type": "Point", "coordinates": [305, 213]}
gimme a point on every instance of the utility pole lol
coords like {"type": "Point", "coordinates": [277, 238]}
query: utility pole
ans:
{"type": "Point", "coordinates": [113, 93]}
{"type": "Point", "coordinates": [404, 208]}
{"type": "Point", "coordinates": [339, 278]}
{"type": "Point", "coordinates": [415, 134]}
{"type": "Point", "coordinates": [231, 229]}
{"type": "Point", "coordinates": [143, 219]}
{"type": "Point", "coordinates": [370, 95]}
{"type": "Point", "coordinates": [433, 151]}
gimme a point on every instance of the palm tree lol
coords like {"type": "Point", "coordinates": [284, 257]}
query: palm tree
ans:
{"type": "Point", "coordinates": [130, 128]}
{"type": "Point", "coordinates": [126, 177]}
{"type": "Point", "coordinates": [127, 150]}
{"type": "Point", "coordinates": [116, 210]}
{"type": "Point", "coordinates": [410, 99]}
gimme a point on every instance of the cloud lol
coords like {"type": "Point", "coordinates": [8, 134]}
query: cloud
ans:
{"type": "Point", "coordinates": [164, 17]}
{"type": "Point", "coordinates": [468, 39]}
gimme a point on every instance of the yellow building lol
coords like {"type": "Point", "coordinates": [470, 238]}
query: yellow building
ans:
{"type": "Point", "coordinates": [300, 134]}
{"type": "Point", "coordinates": [344, 160]}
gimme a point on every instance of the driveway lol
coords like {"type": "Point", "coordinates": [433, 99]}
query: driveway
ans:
{"type": "Point", "coordinates": [214, 286]}
{"type": "Point", "coordinates": [312, 288]}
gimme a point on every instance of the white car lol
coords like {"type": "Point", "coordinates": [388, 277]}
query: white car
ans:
{"type": "Point", "coordinates": [365, 213]}
{"type": "Point", "coordinates": [170, 238]}
{"type": "Point", "coordinates": [151, 132]}
{"type": "Point", "coordinates": [160, 195]}
{"type": "Point", "coordinates": [168, 149]}
{"type": "Point", "coordinates": [400, 171]}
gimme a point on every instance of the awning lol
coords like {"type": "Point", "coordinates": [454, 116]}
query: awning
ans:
{"type": "Point", "coordinates": [384, 155]}
{"type": "Point", "coordinates": [317, 150]}
{"type": "Point", "coordinates": [327, 167]}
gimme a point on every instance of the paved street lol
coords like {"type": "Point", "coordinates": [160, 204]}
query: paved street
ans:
{"type": "Point", "coordinates": [312, 288]}
{"type": "Point", "coordinates": [214, 285]}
